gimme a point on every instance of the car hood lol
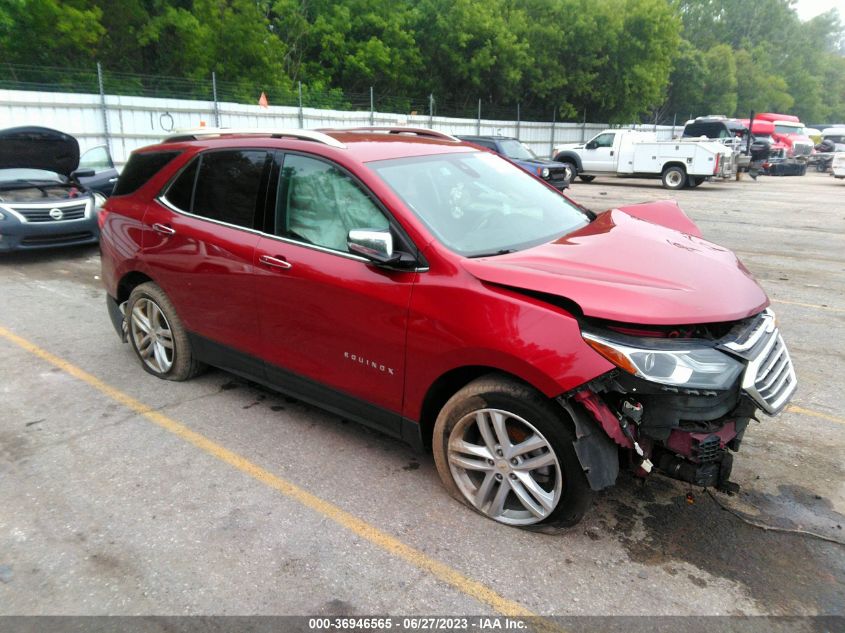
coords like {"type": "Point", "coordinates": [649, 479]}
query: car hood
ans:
{"type": "Point", "coordinates": [631, 270]}
{"type": "Point", "coordinates": [38, 148]}
{"type": "Point", "coordinates": [541, 162]}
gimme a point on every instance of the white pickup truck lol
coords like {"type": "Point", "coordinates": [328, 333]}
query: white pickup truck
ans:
{"type": "Point", "coordinates": [634, 154]}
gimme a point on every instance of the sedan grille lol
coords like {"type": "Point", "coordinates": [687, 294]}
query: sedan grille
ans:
{"type": "Point", "coordinates": [42, 213]}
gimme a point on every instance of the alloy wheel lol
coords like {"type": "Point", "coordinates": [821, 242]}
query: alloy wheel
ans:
{"type": "Point", "coordinates": [152, 335]}
{"type": "Point", "coordinates": [504, 467]}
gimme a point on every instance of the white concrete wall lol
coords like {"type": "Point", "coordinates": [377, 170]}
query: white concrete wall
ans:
{"type": "Point", "coordinates": [134, 122]}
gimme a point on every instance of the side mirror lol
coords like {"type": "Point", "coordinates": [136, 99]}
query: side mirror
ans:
{"type": "Point", "coordinates": [375, 245]}
{"type": "Point", "coordinates": [591, 145]}
{"type": "Point", "coordinates": [82, 173]}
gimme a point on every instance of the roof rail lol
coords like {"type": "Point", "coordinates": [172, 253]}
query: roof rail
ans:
{"type": "Point", "coordinates": [204, 132]}
{"type": "Point", "coordinates": [416, 131]}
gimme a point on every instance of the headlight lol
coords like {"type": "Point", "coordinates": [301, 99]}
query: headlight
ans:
{"type": "Point", "coordinates": [545, 172]}
{"type": "Point", "coordinates": [675, 363]}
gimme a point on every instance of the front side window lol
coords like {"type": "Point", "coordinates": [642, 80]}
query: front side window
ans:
{"type": "Point", "coordinates": [319, 204]}
{"type": "Point", "coordinates": [477, 203]}
{"type": "Point", "coordinates": [605, 140]}
{"type": "Point", "coordinates": [221, 185]}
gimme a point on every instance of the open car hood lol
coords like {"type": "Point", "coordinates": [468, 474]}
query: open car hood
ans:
{"type": "Point", "coordinates": [38, 148]}
{"type": "Point", "coordinates": [631, 270]}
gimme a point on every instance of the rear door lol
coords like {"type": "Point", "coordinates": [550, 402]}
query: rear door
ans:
{"type": "Point", "coordinates": [199, 244]}
{"type": "Point", "coordinates": [333, 325]}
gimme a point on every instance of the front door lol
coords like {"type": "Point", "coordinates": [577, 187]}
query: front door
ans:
{"type": "Point", "coordinates": [598, 154]}
{"type": "Point", "coordinates": [333, 325]}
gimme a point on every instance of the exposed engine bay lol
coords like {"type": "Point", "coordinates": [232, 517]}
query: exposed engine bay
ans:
{"type": "Point", "coordinates": [681, 399]}
{"type": "Point", "coordinates": [38, 193]}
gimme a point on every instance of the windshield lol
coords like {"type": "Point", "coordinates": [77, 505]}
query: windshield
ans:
{"type": "Point", "coordinates": [517, 151]}
{"type": "Point", "coordinates": [38, 175]}
{"type": "Point", "coordinates": [783, 128]}
{"type": "Point", "coordinates": [478, 203]}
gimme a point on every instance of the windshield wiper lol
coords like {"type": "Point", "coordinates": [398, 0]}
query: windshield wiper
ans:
{"type": "Point", "coordinates": [503, 251]}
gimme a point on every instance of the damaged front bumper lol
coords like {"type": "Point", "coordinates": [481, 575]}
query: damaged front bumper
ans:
{"type": "Point", "coordinates": [687, 433]}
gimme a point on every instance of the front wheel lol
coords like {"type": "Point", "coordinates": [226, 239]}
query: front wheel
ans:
{"type": "Point", "coordinates": [586, 178]}
{"type": "Point", "coordinates": [674, 177]}
{"type": "Point", "coordinates": [506, 451]}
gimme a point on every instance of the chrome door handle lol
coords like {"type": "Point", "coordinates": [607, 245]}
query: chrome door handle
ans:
{"type": "Point", "coordinates": [275, 262]}
{"type": "Point", "coordinates": [163, 229]}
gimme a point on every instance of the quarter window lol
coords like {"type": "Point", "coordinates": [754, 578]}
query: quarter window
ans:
{"type": "Point", "coordinates": [222, 185]}
{"type": "Point", "coordinates": [319, 204]}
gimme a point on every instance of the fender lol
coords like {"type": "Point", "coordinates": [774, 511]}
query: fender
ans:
{"type": "Point", "coordinates": [569, 156]}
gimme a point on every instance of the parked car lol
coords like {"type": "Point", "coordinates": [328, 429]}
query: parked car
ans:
{"type": "Point", "coordinates": [99, 161]}
{"type": "Point", "coordinates": [634, 154]}
{"type": "Point", "coordinates": [440, 294]}
{"type": "Point", "coordinates": [556, 174]}
{"type": "Point", "coordinates": [42, 201]}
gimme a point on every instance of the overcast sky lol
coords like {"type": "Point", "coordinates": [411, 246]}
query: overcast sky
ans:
{"type": "Point", "coordinates": [810, 8]}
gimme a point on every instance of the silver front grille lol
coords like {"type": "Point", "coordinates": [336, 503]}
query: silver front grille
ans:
{"type": "Point", "coordinates": [41, 213]}
{"type": "Point", "coordinates": [769, 378]}
{"type": "Point", "coordinates": [802, 149]}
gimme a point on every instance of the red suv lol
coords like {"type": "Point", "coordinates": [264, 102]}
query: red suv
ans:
{"type": "Point", "coordinates": [439, 293]}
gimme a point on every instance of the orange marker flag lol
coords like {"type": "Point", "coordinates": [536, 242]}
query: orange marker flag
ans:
{"type": "Point", "coordinates": [262, 101]}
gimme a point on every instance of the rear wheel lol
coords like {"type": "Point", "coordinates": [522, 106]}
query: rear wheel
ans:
{"type": "Point", "coordinates": [674, 177]}
{"type": "Point", "coordinates": [157, 335]}
{"type": "Point", "coordinates": [506, 451]}
{"type": "Point", "coordinates": [587, 178]}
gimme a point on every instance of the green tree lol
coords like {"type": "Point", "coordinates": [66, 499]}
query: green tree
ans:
{"type": "Point", "coordinates": [471, 49]}
{"type": "Point", "coordinates": [50, 32]}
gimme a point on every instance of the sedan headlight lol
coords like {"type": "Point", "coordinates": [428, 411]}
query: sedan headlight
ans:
{"type": "Point", "coordinates": [675, 363]}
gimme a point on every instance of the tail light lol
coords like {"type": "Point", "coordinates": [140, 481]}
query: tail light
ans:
{"type": "Point", "coordinates": [716, 166]}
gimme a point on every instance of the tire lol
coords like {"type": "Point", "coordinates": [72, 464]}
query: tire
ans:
{"type": "Point", "coordinates": [674, 177]}
{"type": "Point", "coordinates": [168, 355]}
{"type": "Point", "coordinates": [587, 178]}
{"type": "Point", "coordinates": [561, 493]}
{"type": "Point", "coordinates": [571, 168]}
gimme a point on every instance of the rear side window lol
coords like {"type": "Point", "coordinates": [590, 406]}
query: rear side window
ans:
{"type": "Point", "coordinates": [222, 185]}
{"type": "Point", "coordinates": [139, 169]}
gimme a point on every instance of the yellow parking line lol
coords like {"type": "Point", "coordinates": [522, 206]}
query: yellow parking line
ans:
{"type": "Point", "coordinates": [377, 537]}
{"type": "Point", "coordinates": [794, 408]}
{"type": "Point", "coordinates": [809, 305]}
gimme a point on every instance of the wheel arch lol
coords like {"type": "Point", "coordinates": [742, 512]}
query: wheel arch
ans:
{"type": "Point", "coordinates": [448, 384]}
{"type": "Point", "coordinates": [674, 163]}
{"type": "Point", "coordinates": [569, 157]}
{"type": "Point", "coordinates": [129, 282]}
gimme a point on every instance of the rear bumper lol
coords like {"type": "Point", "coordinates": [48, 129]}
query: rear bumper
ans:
{"type": "Point", "coordinates": [19, 236]}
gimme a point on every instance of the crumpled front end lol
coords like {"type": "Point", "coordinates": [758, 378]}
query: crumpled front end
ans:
{"type": "Point", "coordinates": [681, 399]}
